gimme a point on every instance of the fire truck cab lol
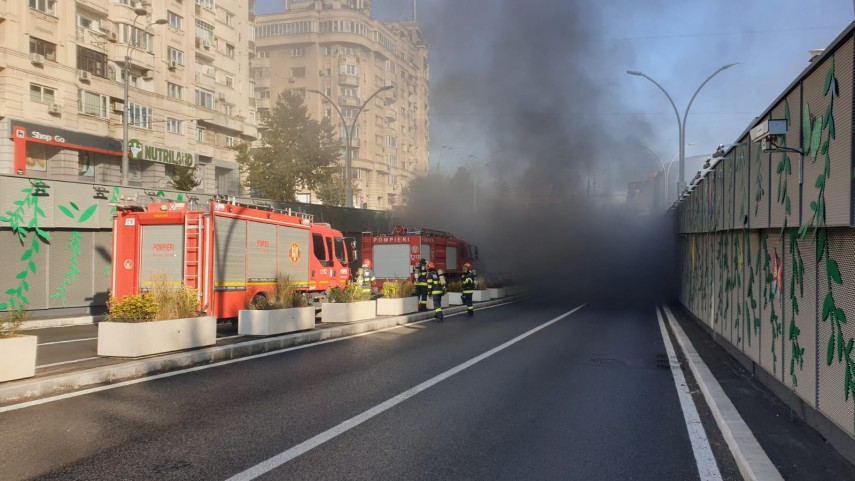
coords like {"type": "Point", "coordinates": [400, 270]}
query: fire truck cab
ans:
{"type": "Point", "coordinates": [229, 252]}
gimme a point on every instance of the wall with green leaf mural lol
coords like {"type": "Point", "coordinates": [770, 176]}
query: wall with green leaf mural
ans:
{"type": "Point", "coordinates": [769, 259]}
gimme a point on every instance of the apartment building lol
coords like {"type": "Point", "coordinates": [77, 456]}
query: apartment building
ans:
{"type": "Point", "coordinates": [67, 69]}
{"type": "Point", "coordinates": [336, 48]}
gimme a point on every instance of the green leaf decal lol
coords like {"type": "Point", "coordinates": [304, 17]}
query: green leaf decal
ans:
{"type": "Point", "coordinates": [815, 138]}
{"type": "Point", "coordinates": [820, 181]}
{"type": "Point", "coordinates": [65, 211]}
{"type": "Point", "coordinates": [833, 270]}
{"type": "Point", "coordinates": [829, 354]}
{"type": "Point", "coordinates": [21, 275]}
{"type": "Point", "coordinates": [827, 306]}
{"type": "Point", "coordinates": [32, 266]}
{"type": "Point", "coordinates": [74, 206]}
{"type": "Point", "coordinates": [87, 213]}
{"type": "Point", "coordinates": [840, 315]}
{"type": "Point", "coordinates": [11, 291]}
{"type": "Point", "coordinates": [44, 235]}
{"type": "Point", "coordinates": [27, 254]}
{"type": "Point", "coordinates": [4, 306]}
{"type": "Point", "coordinates": [829, 77]}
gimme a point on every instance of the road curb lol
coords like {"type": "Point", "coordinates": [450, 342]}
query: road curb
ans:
{"type": "Point", "coordinates": [753, 463]}
{"type": "Point", "coordinates": [28, 389]}
{"type": "Point", "coordinates": [59, 322]}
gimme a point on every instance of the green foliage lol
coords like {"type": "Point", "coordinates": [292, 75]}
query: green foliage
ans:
{"type": "Point", "coordinates": [296, 152]}
{"type": "Point", "coordinates": [184, 179]}
{"type": "Point", "coordinates": [454, 286]}
{"type": "Point", "coordinates": [353, 292]}
{"type": "Point", "coordinates": [284, 296]}
{"type": "Point", "coordinates": [481, 282]}
{"type": "Point", "coordinates": [330, 190]}
{"type": "Point", "coordinates": [22, 228]}
{"type": "Point", "coordinates": [398, 289]}
{"type": "Point", "coordinates": [73, 270]}
{"type": "Point", "coordinates": [136, 308]}
{"type": "Point", "coordinates": [174, 301]}
{"type": "Point", "coordinates": [11, 322]}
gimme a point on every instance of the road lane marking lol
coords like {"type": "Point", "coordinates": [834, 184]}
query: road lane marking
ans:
{"type": "Point", "coordinates": [83, 392]}
{"type": "Point", "coordinates": [66, 342]}
{"type": "Point", "coordinates": [753, 462]}
{"type": "Point", "coordinates": [285, 456]}
{"type": "Point", "coordinates": [704, 458]}
{"type": "Point", "coordinates": [41, 366]}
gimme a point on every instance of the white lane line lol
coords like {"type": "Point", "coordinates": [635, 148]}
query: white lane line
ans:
{"type": "Point", "coordinates": [753, 462]}
{"type": "Point", "coordinates": [282, 458]}
{"type": "Point", "coordinates": [707, 467]}
{"type": "Point", "coordinates": [60, 397]}
{"type": "Point", "coordinates": [40, 366]}
{"type": "Point", "coordinates": [68, 341]}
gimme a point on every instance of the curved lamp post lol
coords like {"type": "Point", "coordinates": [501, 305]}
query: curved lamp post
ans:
{"type": "Point", "coordinates": [681, 123]}
{"type": "Point", "coordinates": [139, 11]}
{"type": "Point", "coordinates": [348, 133]}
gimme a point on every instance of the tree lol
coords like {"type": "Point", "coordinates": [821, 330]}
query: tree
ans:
{"type": "Point", "coordinates": [331, 190]}
{"type": "Point", "coordinates": [184, 179]}
{"type": "Point", "coordinates": [297, 151]}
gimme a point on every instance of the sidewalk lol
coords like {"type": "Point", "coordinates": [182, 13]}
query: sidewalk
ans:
{"type": "Point", "coordinates": [81, 375]}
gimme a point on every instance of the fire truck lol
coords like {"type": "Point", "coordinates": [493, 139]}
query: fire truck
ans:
{"type": "Point", "coordinates": [230, 252]}
{"type": "Point", "coordinates": [394, 255]}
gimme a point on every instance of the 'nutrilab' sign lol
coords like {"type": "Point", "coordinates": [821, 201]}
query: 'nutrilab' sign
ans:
{"type": "Point", "coordinates": [156, 154]}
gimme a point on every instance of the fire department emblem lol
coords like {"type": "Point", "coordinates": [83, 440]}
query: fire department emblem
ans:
{"type": "Point", "coordinates": [294, 252]}
{"type": "Point", "coordinates": [414, 249]}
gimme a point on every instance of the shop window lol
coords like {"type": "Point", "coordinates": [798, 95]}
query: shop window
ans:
{"type": "Point", "coordinates": [36, 157]}
{"type": "Point", "coordinates": [85, 164]}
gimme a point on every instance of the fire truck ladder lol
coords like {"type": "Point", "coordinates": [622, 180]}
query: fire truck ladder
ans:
{"type": "Point", "coordinates": [192, 250]}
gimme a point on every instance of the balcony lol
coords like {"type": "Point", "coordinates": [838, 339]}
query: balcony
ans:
{"type": "Point", "coordinates": [263, 103]}
{"type": "Point", "coordinates": [349, 101]}
{"type": "Point", "coordinates": [92, 39]}
{"type": "Point", "coordinates": [205, 48]}
{"type": "Point", "coordinates": [348, 80]}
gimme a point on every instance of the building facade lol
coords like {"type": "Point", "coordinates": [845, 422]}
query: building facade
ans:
{"type": "Point", "coordinates": [63, 91]}
{"type": "Point", "coordinates": [336, 48]}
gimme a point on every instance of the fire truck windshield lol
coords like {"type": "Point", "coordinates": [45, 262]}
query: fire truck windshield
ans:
{"type": "Point", "coordinates": [339, 250]}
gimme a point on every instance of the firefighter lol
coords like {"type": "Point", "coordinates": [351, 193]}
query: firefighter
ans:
{"type": "Point", "coordinates": [468, 278]}
{"type": "Point", "coordinates": [366, 276]}
{"type": "Point", "coordinates": [420, 275]}
{"type": "Point", "coordinates": [436, 287]}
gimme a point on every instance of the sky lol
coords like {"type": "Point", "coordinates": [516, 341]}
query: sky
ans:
{"type": "Point", "coordinates": [677, 43]}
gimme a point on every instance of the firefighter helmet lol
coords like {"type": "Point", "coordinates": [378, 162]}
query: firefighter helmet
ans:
{"type": "Point", "coordinates": [430, 265]}
{"type": "Point", "coordinates": [366, 263]}
{"type": "Point", "coordinates": [467, 266]}
{"type": "Point", "coordinates": [422, 261]}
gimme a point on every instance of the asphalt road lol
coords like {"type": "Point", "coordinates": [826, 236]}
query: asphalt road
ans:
{"type": "Point", "coordinates": [581, 398]}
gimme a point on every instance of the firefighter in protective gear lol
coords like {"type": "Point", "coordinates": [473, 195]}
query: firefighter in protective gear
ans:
{"type": "Point", "coordinates": [420, 276]}
{"type": "Point", "coordinates": [436, 287]}
{"type": "Point", "coordinates": [468, 279]}
{"type": "Point", "coordinates": [366, 276]}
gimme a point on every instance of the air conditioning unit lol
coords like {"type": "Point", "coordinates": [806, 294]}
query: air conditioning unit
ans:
{"type": "Point", "coordinates": [54, 108]}
{"type": "Point", "coordinates": [83, 75]}
{"type": "Point", "coordinates": [206, 44]}
{"type": "Point", "coordinates": [113, 37]}
{"type": "Point", "coordinates": [148, 75]}
{"type": "Point", "coordinates": [37, 59]}
{"type": "Point", "coordinates": [221, 96]}
{"type": "Point", "coordinates": [118, 107]}
{"type": "Point", "coordinates": [173, 64]}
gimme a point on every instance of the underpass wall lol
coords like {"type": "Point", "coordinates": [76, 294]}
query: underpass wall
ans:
{"type": "Point", "coordinates": [768, 246]}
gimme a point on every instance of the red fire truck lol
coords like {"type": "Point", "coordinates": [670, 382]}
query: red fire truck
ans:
{"type": "Point", "coordinates": [229, 252]}
{"type": "Point", "coordinates": [395, 254]}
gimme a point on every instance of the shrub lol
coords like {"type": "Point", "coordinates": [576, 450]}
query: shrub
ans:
{"type": "Point", "coordinates": [494, 282]}
{"type": "Point", "coordinates": [175, 302]}
{"type": "Point", "coordinates": [398, 289]}
{"type": "Point", "coordinates": [283, 293]}
{"type": "Point", "coordinates": [11, 322]}
{"type": "Point", "coordinates": [454, 286]}
{"type": "Point", "coordinates": [351, 293]}
{"type": "Point", "coordinates": [480, 283]}
{"type": "Point", "coordinates": [259, 303]}
{"type": "Point", "coordinates": [136, 308]}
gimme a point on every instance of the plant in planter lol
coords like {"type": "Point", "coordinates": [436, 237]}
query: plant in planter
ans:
{"type": "Point", "coordinates": [351, 303]}
{"type": "Point", "coordinates": [481, 293]}
{"type": "Point", "coordinates": [495, 287]}
{"type": "Point", "coordinates": [455, 292]}
{"type": "Point", "coordinates": [283, 310]}
{"type": "Point", "coordinates": [166, 318]}
{"type": "Point", "coordinates": [17, 351]}
{"type": "Point", "coordinates": [397, 298]}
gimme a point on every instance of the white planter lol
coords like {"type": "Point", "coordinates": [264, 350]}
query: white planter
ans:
{"type": "Point", "coordinates": [443, 303]}
{"type": "Point", "coordinates": [17, 357]}
{"type": "Point", "coordinates": [275, 321]}
{"type": "Point", "coordinates": [496, 292]}
{"type": "Point", "coordinates": [455, 298]}
{"type": "Point", "coordinates": [348, 311]}
{"type": "Point", "coordinates": [134, 339]}
{"type": "Point", "coordinates": [396, 307]}
{"type": "Point", "coordinates": [481, 295]}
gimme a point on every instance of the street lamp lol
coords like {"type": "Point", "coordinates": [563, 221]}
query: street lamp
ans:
{"type": "Point", "coordinates": [348, 133]}
{"type": "Point", "coordinates": [139, 11]}
{"type": "Point", "coordinates": [681, 123]}
{"type": "Point", "coordinates": [665, 170]}
{"type": "Point", "coordinates": [439, 162]}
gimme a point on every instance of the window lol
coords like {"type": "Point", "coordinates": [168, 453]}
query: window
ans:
{"type": "Point", "coordinates": [200, 134]}
{"type": "Point", "coordinates": [175, 55]}
{"type": "Point", "coordinates": [175, 20]}
{"type": "Point", "coordinates": [298, 72]}
{"type": "Point", "coordinates": [174, 90]}
{"type": "Point", "coordinates": [298, 52]}
{"type": "Point", "coordinates": [92, 61]}
{"type": "Point", "coordinates": [318, 248]}
{"type": "Point", "coordinates": [348, 92]}
{"type": "Point", "coordinates": [228, 109]}
{"type": "Point", "coordinates": [205, 98]}
{"type": "Point", "coordinates": [350, 69]}
{"type": "Point", "coordinates": [393, 160]}
{"type": "Point", "coordinates": [230, 18]}
{"type": "Point", "coordinates": [90, 103]}
{"type": "Point", "coordinates": [230, 50]}
{"type": "Point", "coordinates": [173, 125]}
{"type": "Point", "coordinates": [139, 116]}
{"type": "Point", "coordinates": [349, 112]}
{"type": "Point", "coordinates": [230, 141]}
{"type": "Point", "coordinates": [230, 80]}
{"type": "Point", "coordinates": [391, 141]}
{"type": "Point", "coordinates": [85, 22]}
{"type": "Point", "coordinates": [340, 250]}
{"type": "Point", "coordinates": [355, 133]}
{"type": "Point", "coordinates": [42, 94]}
{"type": "Point", "coordinates": [43, 48]}
{"type": "Point", "coordinates": [137, 37]}
{"type": "Point", "coordinates": [205, 31]}
{"type": "Point", "coordinates": [209, 4]}
{"type": "Point", "coordinates": [45, 6]}
{"type": "Point", "coordinates": [263, 93]}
